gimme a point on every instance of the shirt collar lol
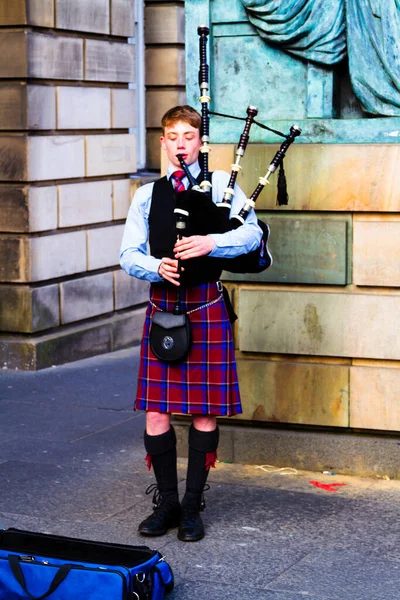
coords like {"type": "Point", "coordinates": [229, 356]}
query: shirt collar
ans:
{"type": "Point", "coordinates": [194, 168]}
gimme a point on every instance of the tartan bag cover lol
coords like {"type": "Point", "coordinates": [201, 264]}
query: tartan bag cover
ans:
{"type": "Point", "coordinates": [206, 382]}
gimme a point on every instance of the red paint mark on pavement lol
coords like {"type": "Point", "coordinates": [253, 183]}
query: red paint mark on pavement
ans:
{"type": "Point", "coordinates": [328, 487]}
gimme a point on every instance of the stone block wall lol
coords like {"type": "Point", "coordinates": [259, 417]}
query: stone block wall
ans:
{"type": "Point", "coordinates": [165, 68]}
{"type": "Point", "coordinates": [317, 339]}
{"type": "Point", "coordinates": [67, 151]}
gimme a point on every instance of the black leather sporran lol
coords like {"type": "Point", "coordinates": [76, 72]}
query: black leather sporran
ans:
{"type": "Point", "coordinates": [170, 336]}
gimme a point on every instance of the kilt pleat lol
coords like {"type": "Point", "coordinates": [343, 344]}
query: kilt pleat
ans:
{"type": "Point", "coordinates": [206, 382]}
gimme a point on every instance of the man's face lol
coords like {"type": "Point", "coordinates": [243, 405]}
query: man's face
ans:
{"type": "Point", "coordinates": [181, 138]}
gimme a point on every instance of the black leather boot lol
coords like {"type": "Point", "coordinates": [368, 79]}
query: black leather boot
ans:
{"type": "Point", "coordinates": [202, 453]}
{"type": "Point", "coordinates": [161, 453]}
{"type": "Point", "coordinates": [166, 512]}
{"type": "Point", "coordinates": [191, 528]}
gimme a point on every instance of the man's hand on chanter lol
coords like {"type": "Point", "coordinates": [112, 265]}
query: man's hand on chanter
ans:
{"type": "Point", "coordinates": [193, 246]}
{"type": "Point", "coordinates": [168, 270]}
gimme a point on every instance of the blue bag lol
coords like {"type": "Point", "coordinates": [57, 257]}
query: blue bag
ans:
{"type": "Point", "coordinates": [36, 566]}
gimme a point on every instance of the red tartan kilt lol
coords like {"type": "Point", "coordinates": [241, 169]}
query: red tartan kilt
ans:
{"type": "Point", "coordinates": [206, 382]}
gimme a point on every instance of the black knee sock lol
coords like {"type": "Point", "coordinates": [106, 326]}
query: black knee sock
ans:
{"type": "Point", "coordinates": [162, 452]}
{"type": "Point", "coordinates": [202, 454]}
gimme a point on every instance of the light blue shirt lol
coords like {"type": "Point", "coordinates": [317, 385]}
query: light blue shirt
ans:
{"type": "Point", "coordinates": [135, 257]}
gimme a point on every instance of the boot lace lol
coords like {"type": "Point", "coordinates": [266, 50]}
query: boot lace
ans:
{"type": "Point", "coordinates": [162, 501]}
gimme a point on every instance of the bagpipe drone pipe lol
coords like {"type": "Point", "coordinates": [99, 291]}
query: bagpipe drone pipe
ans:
{"type": "Point", "coordinates": [204, 216]}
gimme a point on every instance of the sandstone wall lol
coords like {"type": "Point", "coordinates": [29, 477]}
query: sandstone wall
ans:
{"type": "Point", "coordinates": [67, 149]}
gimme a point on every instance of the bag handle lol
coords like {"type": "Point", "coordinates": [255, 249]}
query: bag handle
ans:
{"type": "Point", "coordinates": [15, 566]}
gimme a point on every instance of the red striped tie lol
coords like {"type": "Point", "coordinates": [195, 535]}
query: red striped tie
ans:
{"type": "Point", "coordinates": [177, 177]}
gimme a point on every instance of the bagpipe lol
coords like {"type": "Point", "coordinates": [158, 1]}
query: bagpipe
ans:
{"type": "Point", "coordinates": [197, 213]}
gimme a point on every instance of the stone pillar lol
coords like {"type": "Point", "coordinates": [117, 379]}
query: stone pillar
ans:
{"type": "Point", "coordinates": [66, 153]}
{"type": "Point", "coordinates": [165, 68]}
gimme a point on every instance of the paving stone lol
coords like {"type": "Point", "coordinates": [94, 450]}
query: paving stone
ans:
{"type": "Point", "coordinates": [329, 575]}
{"type": "Point", "coordinates": [268, 536]}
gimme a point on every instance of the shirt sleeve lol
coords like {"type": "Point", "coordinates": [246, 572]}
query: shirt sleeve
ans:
{"type": "Point", "coordinates": [245, 238]}
{"type": "Point", "coordinates": [134, 258]}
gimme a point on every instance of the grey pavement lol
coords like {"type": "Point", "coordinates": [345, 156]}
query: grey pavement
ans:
{"type": "Point", "coordinates": [72, 463]}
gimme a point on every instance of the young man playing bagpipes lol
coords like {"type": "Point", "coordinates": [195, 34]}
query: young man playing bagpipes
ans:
{"type": "Point", "coordinates": [204, 384]}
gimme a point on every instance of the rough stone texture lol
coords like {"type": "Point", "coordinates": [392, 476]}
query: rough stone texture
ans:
{"type": "Point", "coordinates": [40, 56]}
{"type": "Point", "coordinates": [109, 61]}
{"type": "Point", "coordinates": [335, 184]}
{"type": "Point", "coordinates": [127, 329]}
{"type": "Point", "coordinates": [41, 105]}
{"type": "Point", "coordinates": [15, 259]}
{"type": "Point", "coordinates": [12, 115]}
{"type": "Point", "coordinates": [83, 108]}
{"type": "Point", "coordinates": [110, 154]}
{"type": "Point", "coordinates": [40, 158]}
{"type": "Point", "coordinates": [376, 252]}
{"type": "Point", "coordinates": [14, 213]}
{"type": "Point", "coordinates": [158, 101]}
{"type": "Point", "coordinates": [27, 107]}
{"type": "Point", "coordinates": [121, 198]}
{"type": "Point", "coordinates": [103, 246]}
{"type": "Point", "coordinates": [42, 208]}
{"type": "Point", "coordinates": [153, 148]}
{"type": "Point", "coordinates": [83, 203]}
{"type": "Point", "coordinates": [123, 108]}
{"type": "Point", "coordinates": [55, 157]}
{"type": "Point", "coordinates": [165, 66]}
{"type": "Point", "coordinates": [305, 249]}
{"type": "Point", "coordinates": [317, 323]}
{"type": "Point", "coordinates": [76, 15]}
{"type": "Point", "coordinates": [164, 25]}
{"type": "Point", "coordinates": [25, 209]}
{"type": "Point", "coordinates": [27, 12]}
{"type": "Point", "coordinates": [287, 392]}
{"type": "Point", "coordinates": [54, 57]}
{"type": "Point", "coordinates": [129, 291]}
{"type": "Point", "coordinates": [58, 255]}
{"type": "Point", "coordinates": [58, 182]}
{"type": "Point", "coordinates": [13, 161]}
{"type": "Point", "coordinates": [25, 309]}
{"type": "Point", "coordinates": [72, 343]}
{"type": "Point", "coordinates": [123, 17]}
{"type": "Point", "coordinates": [375, 401]}
{"type": "Point", "coordinates": [14, 54]}
{"type": "Point", "coordinates": [86, 297]}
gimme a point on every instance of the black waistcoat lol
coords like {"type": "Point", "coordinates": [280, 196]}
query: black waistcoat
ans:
{"type": "Point", "coordinates": [162, 237]}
